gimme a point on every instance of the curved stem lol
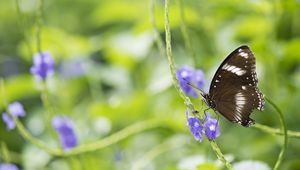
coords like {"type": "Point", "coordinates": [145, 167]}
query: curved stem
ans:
{"type": "Point", "coordinates": [22, 26]}
{"type": "Point", "coordinates": [94, 146]}
{"type": "Point", "coordinates": [157, 37]}
{"type": "Point", "coordinates": [3, 94]}
{"type": "Point", "coordinates": [39, 21]}
{"type": "Point", "coordinates": [116, 137]}
{"type": "Point", "coordinates": [185, 33]}
{"type": "Point", "coordinates": [49, 110]}
{"type": "Point", "coordinates": [285, 136]}
{"type": "Point", "coordinates": [274, 131]}
{"type": "Point", "coordinates": [5, 155]}
{"type": "Point", "coordinates": [166, 146]}
{"type": "Point", "coordinates": [27, 135]}
{"type": "Point", "coordinates": [219, 154]}
{"type": "Point", "coordinates": [187, 101]}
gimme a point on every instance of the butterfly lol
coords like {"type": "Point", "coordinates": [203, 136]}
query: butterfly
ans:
{"type": "Point", "coordinates": [233, 90]}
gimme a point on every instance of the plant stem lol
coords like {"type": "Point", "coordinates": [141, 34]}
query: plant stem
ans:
{"type": "Point", "coordinates": [3, 93]}
{"type": "Point", "coordinates": [161, 148]}
{"type": "Point", "coordinates": [39, 22]}
{"type": "Point", "coordinates": [4, 152]}
{"type": "Point", "coordinates": [49, 109]}
{"type": "Point", "coordinates": [157, 37]}
{"type": "Point", "coordinates": [187, 101]}
{"type": "Point", "coordinates": [185, 33]}
{"type": "Point", "coordinates": [26, 135]}
{"type": "Point", "coordinates": [22, 26]}
{"type": "Point", "coordinates": [94, 146]}
{"type": "Point", "coordinates": [285, 136]}
{"type": "Point", "coordinates": [219, 154]}
{"type": "Point", "coordinates": [267, 129]}
{"type": "Point", "coordinates": [116, 137]}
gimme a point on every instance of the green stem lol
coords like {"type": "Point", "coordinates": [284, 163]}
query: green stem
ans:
{"type": "Point", "coordinates": [22, 26]}
{"type": "Point", "coordinates": [187, 102]}
{"type": "Point", "coordinates": [3, 94]}
{"type": "Point", "coordinates": [267, 129]}
{"type": "Point", "coordinates": [84, 148]}
{"type": "Point", "coordinates": [166, 146]}
{"type": "Point", "coordinates": [220, 155]}
{"type": "Point", "coordinates": [39, 22]}
{"type": "Point", "coordinates": [46, 103]}
{"type": "Point", "coordinates": [185, 33]}
{"type": "Point", "coordinates": [5, 152]}
{"type": "Point", "coordinates": [49, 112]}
{"type": "Point", "coordinates": [157, 37]}
{"type": "Point", "coordinates": [284, 129]}
{"type": "Point", "coordinates": [26, 135]}
{"type": "Point", "coordinates": [116, 137]}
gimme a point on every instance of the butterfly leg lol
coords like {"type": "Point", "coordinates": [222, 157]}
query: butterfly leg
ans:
{"type": "Point", "coordinates": [206, 109]}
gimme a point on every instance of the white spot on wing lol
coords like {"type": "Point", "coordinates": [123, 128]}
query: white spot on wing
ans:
{"type": "Point", "coordinates": [240, 72]}
{"type": "Point", "coordinates": [224, 66]}
{"type": "Point", "coordinates": [243, 54]}
{"type": "Point", "coordinates": [236, 70]}
{"type": "Point", "coordinates": [240, 101]}
{"type": "Point", "coordinates": [244, 87]}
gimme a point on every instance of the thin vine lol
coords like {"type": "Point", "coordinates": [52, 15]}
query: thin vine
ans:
{"type": "Point", "coordinates": [284, 129]}
{"type": "Point", "coordinates": [187, 101]}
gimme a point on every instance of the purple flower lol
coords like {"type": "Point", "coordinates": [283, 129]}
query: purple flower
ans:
{"type": "Point", "coordinates": [195, 126]}
{"type": "Point", "coordinates": [186, 75]}
{"type": "Point", "coordinates": [9, 121]}
{"type": "Point", "coordinates": [8, 166]}
{"type": "Point", "coordinates": [16, 109]}
{"type": "Point", "coordinates": [211, 127]}
{"type": "Point", "coordinates": [65, 130]}
{"type": "Point", "coordinates": [43, 65]}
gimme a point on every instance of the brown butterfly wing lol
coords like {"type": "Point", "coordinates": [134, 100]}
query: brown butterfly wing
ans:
{"type": "Point", "coordinates": [234, 90]}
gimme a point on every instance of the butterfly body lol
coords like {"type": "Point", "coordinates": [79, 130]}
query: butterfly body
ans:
{"type": "Point", "coordinates": [233, 91]}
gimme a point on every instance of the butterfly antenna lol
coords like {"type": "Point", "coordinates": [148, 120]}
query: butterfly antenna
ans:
{"type": "Point", "coordinates": [198, 90]}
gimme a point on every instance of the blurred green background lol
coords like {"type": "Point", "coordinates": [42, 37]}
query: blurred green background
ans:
{"type": "Point", "coordinates": [110, 74]}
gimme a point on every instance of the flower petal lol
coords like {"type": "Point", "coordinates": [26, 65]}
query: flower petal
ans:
{"type": "Point", "coordinates": [186, 75]}
{"type": "Point", "coordinates": [16, 109]}
{"type": "Point", "coordinates": [65, 130]}
{"type": "Point", "coordinates": [43, 65]}
{"type": "Point", "coordinates": [195, 126]}
{"type": "Point", "coordinates": [211, 127]}
{"type": "Point", "coordinates": [8, 166]}
{"type": "Point", "coordinates": [9, 121]}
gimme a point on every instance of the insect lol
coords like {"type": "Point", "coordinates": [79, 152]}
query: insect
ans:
{"type": "Point", "coordinates": [233, 90]}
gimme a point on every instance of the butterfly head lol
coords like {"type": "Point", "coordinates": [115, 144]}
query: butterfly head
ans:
{"type": "Point", "coordinates": [209, 101]}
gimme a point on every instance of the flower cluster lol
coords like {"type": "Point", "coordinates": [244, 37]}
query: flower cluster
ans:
{"type": "Point", "coordinates": [196, 128]}
{"type": "Point", "coordinates": [64, 128]}
{"type": "Point", "coordinates": [8, 166]}
{"type": "Point", "coordinates": [43, 65]}
{"type": "Point", "coordinates": [14, 110]}
{"type": "Point", "coordinates": [186, 75]}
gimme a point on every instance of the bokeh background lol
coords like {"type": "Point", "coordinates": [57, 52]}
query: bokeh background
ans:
{"type": "Point", "coordinates": [110, 74]}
